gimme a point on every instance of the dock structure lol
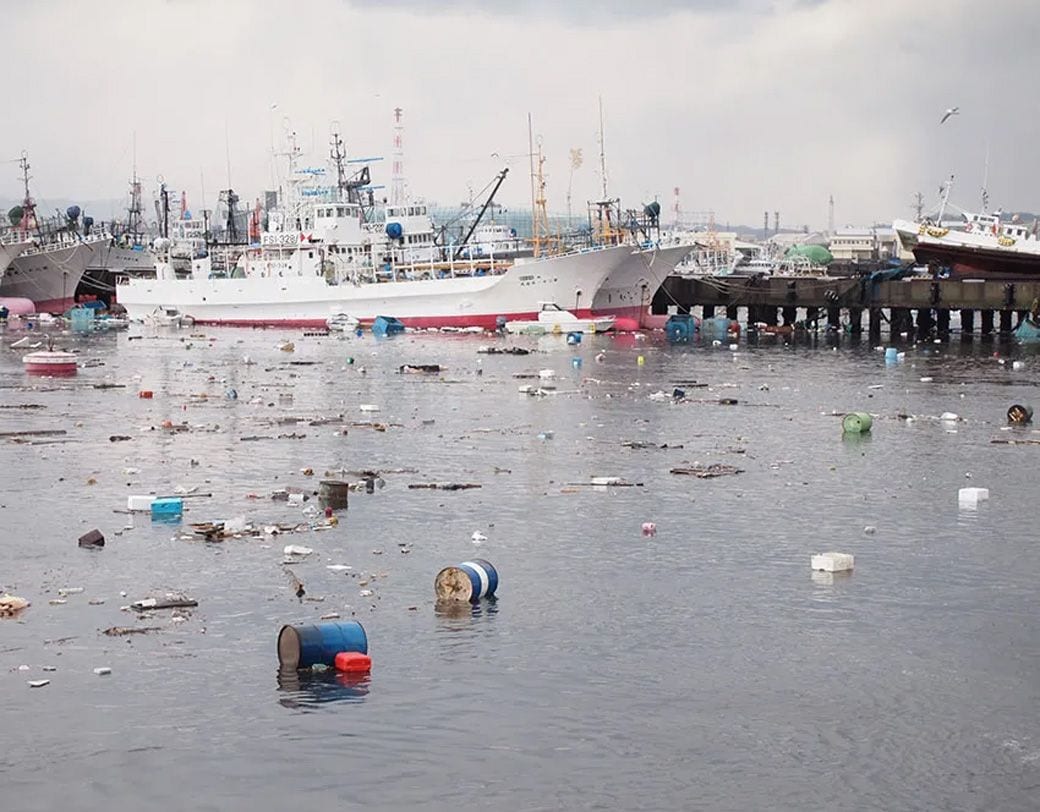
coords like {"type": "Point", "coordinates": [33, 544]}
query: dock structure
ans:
{"type": "Point", "coordinates": [919, 306]}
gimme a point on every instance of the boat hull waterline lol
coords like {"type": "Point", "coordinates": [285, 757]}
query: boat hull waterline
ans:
{"type": "Point", "coordinates": [570, 280]}
{"type": "Point", "coordinates": [627, 291]}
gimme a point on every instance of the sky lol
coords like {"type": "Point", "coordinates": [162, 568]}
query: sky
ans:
{"type": "Point", "coordinates": [746, 106]}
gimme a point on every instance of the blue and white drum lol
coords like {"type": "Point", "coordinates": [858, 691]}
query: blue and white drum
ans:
{"type": "Point", "coordinates": [469, 581]}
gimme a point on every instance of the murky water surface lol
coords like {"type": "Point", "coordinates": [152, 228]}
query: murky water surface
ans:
{"type": "Point", "coordinates": [704, 667]}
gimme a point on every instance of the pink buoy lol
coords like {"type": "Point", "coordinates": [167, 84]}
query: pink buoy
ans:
{"type": "Point", "coordinates": [649, 529]}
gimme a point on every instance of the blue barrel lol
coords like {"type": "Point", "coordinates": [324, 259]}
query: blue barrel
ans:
{"type": "Point", "coordinates": [469, 581]}
{"type": "Point", "coordinates": [573, 338]}
{"type": "Point", "coordinates": [310, 644]}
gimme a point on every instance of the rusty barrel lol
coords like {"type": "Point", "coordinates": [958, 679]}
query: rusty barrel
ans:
{"type": "Point", "coordinates": [469, 581]}
{"type": "Point", "coordinates": [334, 493]}
{"type": "Point", "coordinates": [1020, 414]}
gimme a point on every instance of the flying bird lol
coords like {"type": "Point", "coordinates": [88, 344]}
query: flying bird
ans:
{"type": "Point", "coordinates": [952, 111]}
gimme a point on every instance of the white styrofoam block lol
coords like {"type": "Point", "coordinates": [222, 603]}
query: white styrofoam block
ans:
{"type": "Point", "coordinates": [970, 497]}
{"type": "Point", "coordinates": [832, 562]}
{"type": "Point", "coordinates": [139, 503]}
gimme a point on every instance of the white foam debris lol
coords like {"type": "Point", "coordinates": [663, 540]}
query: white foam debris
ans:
{"type": "Point", "coordinates": [832, 562]}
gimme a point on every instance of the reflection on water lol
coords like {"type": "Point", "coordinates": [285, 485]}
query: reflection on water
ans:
{"type": "Point", "coordinates": [449, 611]}
{"type": "Point", "coordinates": [822, 578]}
{"type": "Point", "coordinates": [313, 688]}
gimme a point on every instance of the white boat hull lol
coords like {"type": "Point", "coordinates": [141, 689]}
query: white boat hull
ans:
{"type": "Point", "coordinates": [8, 252]}
{"type": "Point", "coordinates": [116, 258]}
{"type": "Point", "coordinates": [628, 291]}
{"type": "Point", "coordinates": [49, 276]}
{"type": "Point", "coordinates": [570, 280]}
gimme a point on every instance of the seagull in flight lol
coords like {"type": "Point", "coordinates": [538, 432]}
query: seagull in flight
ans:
{"type": "Point", "coordinates": [952, 111]}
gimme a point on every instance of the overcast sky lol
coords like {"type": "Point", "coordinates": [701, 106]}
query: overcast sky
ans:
{"type": "Point", "coordinates": [746, 106]}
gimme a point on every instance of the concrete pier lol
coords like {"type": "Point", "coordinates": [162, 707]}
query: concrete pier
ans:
{"type": "Point", "coordinates": [919, 307]}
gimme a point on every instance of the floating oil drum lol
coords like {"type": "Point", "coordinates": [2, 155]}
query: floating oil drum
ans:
{"type": "Point", "coordinates": [334, 493]}
{"type": "Point", "coordinates": [1020, 414]}
{"type": "Point", "coordinates": [319, 643]}
{"type": "Point", "coordinates": [856, 422]}
{"type": "Point", "coordinates": [469, 581]}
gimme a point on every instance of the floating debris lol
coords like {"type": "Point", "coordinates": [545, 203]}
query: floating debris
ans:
{"type": "Point", "coordinates": [716, 469]}
{"type": "Point", "coordinates": [122, 631]}
{"type": "Point", "coordinates": [443, 486]}
{"type": "Point", "coordinates": [11, 605]}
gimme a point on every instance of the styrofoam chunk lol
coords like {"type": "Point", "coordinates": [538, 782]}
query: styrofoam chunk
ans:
{"type": "Point", "coordinates": [139, 503]}
{"type": "Point", "coordinates": [832, 562]}
{"type": "Point", "coordinates": [970, 497]}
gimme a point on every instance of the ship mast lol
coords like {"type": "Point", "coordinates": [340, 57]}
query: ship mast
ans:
{"type": "Point", "coordinates": [602, 151]}
{"type": "Point", "coordinates": [398, 190]}
{"type": "Point", "coordinates": [540, 214]}
{"type": "Point", "coordinates": [604, 207]}
{"type": "Point", "coordinates": [337, 153]}
{"type": "Point", "coordinates": [134, 211]}
{"type": "Point", "coordinates": [28, 220]}
{"type": "Point", "coordinates": [985, 182]}
{"type": "Point", "coordinates": [534, 194]}
{"type": "Point", "coordinates": [945, 198]}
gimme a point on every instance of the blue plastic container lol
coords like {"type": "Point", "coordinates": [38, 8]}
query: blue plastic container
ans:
{"type": "Point", "coordinates": [469, 581]}
{"type": "Point", "coordinates": [573, 338]}
{"type": "Point", "coordinates": [716, 327]}
{"type": "Point", "coordinates": [82, 319]}
{"type": "Point", "coordinates": [303, 646]}
{"type": "Point", "coordinates": [387, 326]}
{"type": "Point", "coordinates": [167, 508]}
{"type": "Point", "coordinates": [680, 328]}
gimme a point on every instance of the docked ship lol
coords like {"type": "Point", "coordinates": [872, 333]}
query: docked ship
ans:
{"type": "Point", "coordinates": [318, 258]}
{"type": "Point", "coordinates": [49, 269]}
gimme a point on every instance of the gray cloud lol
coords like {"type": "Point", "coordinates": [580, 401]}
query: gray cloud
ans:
{"type": "Point", "coordinates": [759, 106]}
{"type": "Point", "coordinates": [589, 11]}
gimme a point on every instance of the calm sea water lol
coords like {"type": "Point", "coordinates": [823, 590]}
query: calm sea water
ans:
{"type": "Point", "coordinates": [702, 668]}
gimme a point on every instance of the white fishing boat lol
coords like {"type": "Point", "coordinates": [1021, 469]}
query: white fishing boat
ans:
{"type": "Point", "coordinates": [554, 319]}
{"type": "Point", "coordinates": [318, 258]}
